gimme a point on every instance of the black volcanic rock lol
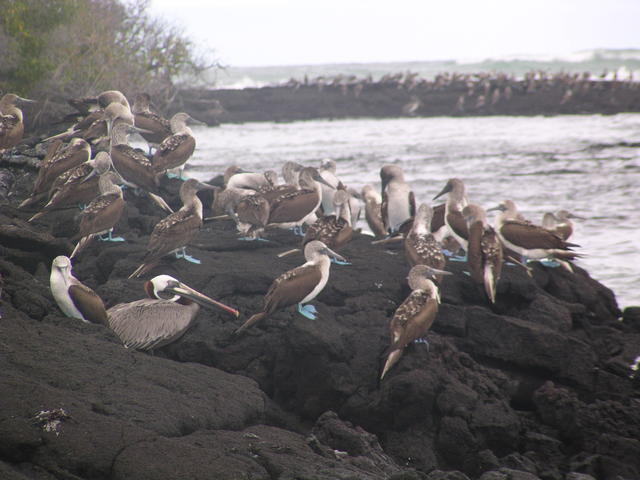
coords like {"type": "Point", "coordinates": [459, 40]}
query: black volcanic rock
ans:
{"type": "Point", "coordinates": [537, 386]}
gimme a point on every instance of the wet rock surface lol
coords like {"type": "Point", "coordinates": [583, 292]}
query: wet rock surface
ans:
{"type": "Point", "coordinates": [536, 387]}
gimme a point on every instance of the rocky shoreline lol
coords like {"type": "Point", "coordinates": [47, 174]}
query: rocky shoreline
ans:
{"type": "Point", "coordinates": [409, 96]}
{"type": "Point", "coordinates": [537, 387]}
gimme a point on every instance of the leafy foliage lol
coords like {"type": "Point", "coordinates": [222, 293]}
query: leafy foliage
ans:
{"type": "Point", "coordinates": [56, 50]}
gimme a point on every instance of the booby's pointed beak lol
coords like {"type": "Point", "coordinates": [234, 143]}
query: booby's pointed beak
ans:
{"type": "Point", "coordinates": [499, 208]}
{"type": "Point", "coordinates": [327, 251]}
{"type": "Point", "coordinates": [195, 121]}
{"type": "Point", "coordinates": [318, 178]}
{"type": "Point", "coordinates": [93, 173]}
{"type": "Point", "coordinates": [26, 100]}
{"type": "Point", "coordinates": [205, 186]}
{"type": "Point", "coordinates": [188, 292]}
{"type": "Point", "coordinates": [573, 215]}
{"type": "Point", "coordinates": [447, 188]}
{"type": "Point", "coordinates": [436, 271]}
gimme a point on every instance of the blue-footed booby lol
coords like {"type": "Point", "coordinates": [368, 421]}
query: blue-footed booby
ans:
{"type": "Point", "coordinates": [484, 250]}
{"type": "Point", "coordinates": [154, 128]}
{"type": "Point", "coordinates": [162, 318]}
{"type": "Point", "coordinates": [76, 187]}
{"type": "Point", "coordinates": [292, 209]}
{"type": "Point", "coordinates": [298, 286]}
{"type": "Point", "coordinates": [530, 241]}
{"type": "Point", "coordinates": [333, 230]}
{"type": "Point", "coordinates": [560, 223]}
{"type": "Point", "coordinates": [420, 246]}
{"type": "Point", "coordinates": [373, 211]}
{"type": "Point", "coordinates": [11, 120]}
{"type": "Point", "coordinates": [75, 299]}
{"type": "Point", "coordinates": [176, 149]}
{"type": "Point", "coordinates": [415, 315]}
{"type": "Point", "coordinates": [174, 232]}
{"type": "Point", "coordinates": [102, 214]}
{"type": "Point", "coordinates": [64, 159]}
{"type": "Point", "coordinates": [456, 201]}
{"type": "Point", "coordinates": [398, 201]}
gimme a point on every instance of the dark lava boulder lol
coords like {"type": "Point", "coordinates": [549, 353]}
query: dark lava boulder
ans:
{"type": "Point", "coordinates": [537, 386]}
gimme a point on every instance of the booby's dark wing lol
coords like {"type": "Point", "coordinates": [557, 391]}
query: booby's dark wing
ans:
{"type": "Point", "coordinates": [457, 223]}
{"type": "Point", "coordinates": [174, 151]}
{"type": "Point", "coordinates": [134, 167]}
{"type": "Point", "coordinates": [293, 206]}
{"type": "Point", "coordinates": [437, 222]}
{"type": "Point", "coordinates": [475, 259]}
{"type": "Point", "coordinates": [424, 250]}
{"type": "Point", "coordinates": [291, 287]}
{"type": "Point", "coordinates": [384, 212]}
{"type": "Point", "coordinates": [157, 128]}
{"type": "Point", "coordinates": [172, 232]}
{"type": "Point", "coordinates": [412, 319]}
{"type": "Point", "coordinates": [150, 323]}
{"type": "Point", "coordinates": [101, 214]}
{"type": "Point", "coordinates": [88, 303]}
{"type": "Point", "coordinates": [530, 236]}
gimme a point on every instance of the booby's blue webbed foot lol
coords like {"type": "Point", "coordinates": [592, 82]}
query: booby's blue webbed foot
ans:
{"type": "Point", "coordinates": [253, 239]}
{"type": "Point", "coordinates": [464, 272]}
{"type": "Point", "coordinates": [340, 262]}
{"type": "Point", "coordinates": [109, 238]}
{"type": "Point", "coordinates": [422, 341]}
{"type": "Point", "coordinates": [297, 230]}
{"type": "Point", "coordinates": [458, 258]}
{"type": "Point", "coordinates": [447, 253]}
{"type": "Point", "coordinates": [183, 254]}
{"type": "Point", "coordinates": [308, 311]}
{"type": "Point", "coordinates": [82, 206]}
{"type": "Point", "coordinates": [549, 262]}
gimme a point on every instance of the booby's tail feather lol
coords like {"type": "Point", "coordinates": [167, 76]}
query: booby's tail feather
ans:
{"type": "Point", "coordinates": [253, 319]}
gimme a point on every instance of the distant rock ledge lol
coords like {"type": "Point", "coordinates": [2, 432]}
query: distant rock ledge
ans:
{"type": "Point", "coordinates": [358, 99]}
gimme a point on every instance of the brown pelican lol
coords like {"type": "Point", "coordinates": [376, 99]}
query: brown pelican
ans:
{"type": "Point", "coordinates": [398, 201]}
{"type": "Point", "coordinates": [485, 252]}
{"type": "Point", "coordinates": [298, 286]}
{"type": "Point", "coordinates": [175, 231]}
{"type": "Point", "coordinates": [77, 186]}
{"type": "Point", "coordinates": [176, 149]}
{"type": "Point", "coordinates": [560, 223]}
{"type": "Point", "coordinates": [75, 299]}
{"type": "Point", "coordinates": [530, 241]}
{"type": "Point", "coordinates": [162, 318]}
{"type": "Point", "coordinates": [77, 152]}
{"type": "Point", "coordinates": [154, 128]}
{"type": "Point", "coordinates": [102, 213]}
{"type": "Point", "coordinates": [420, 246]}
{"type": "Point", "coordinates": [291, 210]}
{"type": "Point", "coordinates": [415, 315]}
{"type": "Point", "coordinates": [11, 121]}
{"type": "Point", "coordinates": [373, 210]}
{"type": "Point", "coordinates": [456, 201]}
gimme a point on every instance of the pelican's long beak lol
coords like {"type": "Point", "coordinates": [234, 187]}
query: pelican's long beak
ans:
{"type": "Point", "coordinates": [188, 292]}
{"type": "Point", "coordinates": [331, 253]}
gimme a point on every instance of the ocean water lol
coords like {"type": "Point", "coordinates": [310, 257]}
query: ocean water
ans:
{"type": "Point", "coordinates": [587, 164]}
{"type": "Point", "coordinates": [601, 63]}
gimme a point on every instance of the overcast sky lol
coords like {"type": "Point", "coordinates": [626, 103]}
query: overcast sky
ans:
{"type": "Point", "coordinates": [293, 32]}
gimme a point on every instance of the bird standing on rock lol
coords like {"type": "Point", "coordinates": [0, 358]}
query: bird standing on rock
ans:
{"type": "Point", "coordinates": [102, 214]}
{"type": "Point", "coordinates": [298, 286]}
{"type": "Point", "coordinates": [414, 317]}
{"type": "Point", "coordinates": [398, 201]}
{"type": "Point", "coordinates": [420, 246]}
{"type": "Point", "coordinates": [175, 150]}
{"type": "Point", "coordinates": [456, 201]}
{"type": "Point", "coordinates": [162, 318]}
{"type": "Point", "coordinates": [484, 250]}
{"type": "Point", "coordinates": [75, 299]}
{"type": "Point", "coordinates": [174, 232]}
{"type": "Point", "coordinates": [11, 121]}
